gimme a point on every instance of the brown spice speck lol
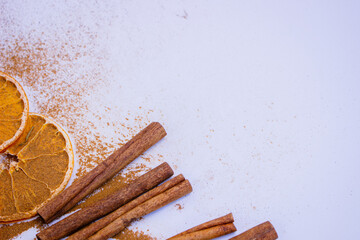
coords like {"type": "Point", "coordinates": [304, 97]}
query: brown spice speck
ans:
{"type": "Point", "coordinates": [179, 206]}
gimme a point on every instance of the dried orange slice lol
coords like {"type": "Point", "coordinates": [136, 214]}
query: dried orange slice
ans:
{"type": "Point", "coordinates": [41, 166]}
{"type": "Point", "coordinates": [14, 110]}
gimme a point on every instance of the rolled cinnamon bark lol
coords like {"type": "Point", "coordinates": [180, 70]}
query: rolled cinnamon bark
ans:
{"type": "Point", "coordinates": [264, 231]}
{"type": "Point", "coordinates": [103, 172]}
{"type": "Point", "coordinates": [91, 229]}
{"type": "Point", "coordinates": [208, 233]}
{"type": "Point", "coordinates": [143, 209]}
{"type": "Point", "coordinates": [208, 230]}
{"type": "Point", "coordinates": [107, 204]}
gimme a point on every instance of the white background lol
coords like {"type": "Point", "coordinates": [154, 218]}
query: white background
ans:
{"type": "Point", "coordinates": [260, 100]}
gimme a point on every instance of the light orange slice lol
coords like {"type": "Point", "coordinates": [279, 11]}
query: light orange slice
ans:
{"type": "Point", "coordinates": [43, 166]}
{"type": "Point", "coordinates": [14, 109]}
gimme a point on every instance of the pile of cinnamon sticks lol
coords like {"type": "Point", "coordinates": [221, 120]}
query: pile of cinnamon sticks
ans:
{"type": "Point", "coordinates": [114, 213]}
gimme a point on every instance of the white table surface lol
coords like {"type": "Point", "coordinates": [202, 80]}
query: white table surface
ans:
{"type": "Point", "coordinates": [260, 100]}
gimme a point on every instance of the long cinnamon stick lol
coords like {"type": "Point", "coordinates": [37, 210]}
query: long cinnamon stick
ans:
{"type": "Point", "coordinates": [103, 172]}
{"type": "Point", "coordinates": [91, 229]}
{"type": "Point", "coordinates": [264, 231]}
{"type": "Point", "coordinates": [208, 233]}
{"type": "Point", "coordinates": [107, 204]}
{"type": "Point", "coordinates": [211, 229]}
{"type": "Point", "coordinates": [143, 209]}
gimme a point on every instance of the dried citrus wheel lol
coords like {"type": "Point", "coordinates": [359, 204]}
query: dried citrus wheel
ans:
{"type": "Point", "coordinates": [14, 110]}
{"type": "Point", "coordinates": [39, 165]}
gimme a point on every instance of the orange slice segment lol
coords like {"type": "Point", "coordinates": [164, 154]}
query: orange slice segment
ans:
{"type": "Point", "coordinates": [28, 193]}
{"type": "Point", "coordinates": [32, 128]}
{"type": "Point", "coordinates": [7, 203]}
{"type": "Point", "coordinates": [8, 128]}
{"type": "Point", "coordinates": [55, 165]}
{"type": "Point", "coordinates": [14, 109]}
{"type": "Point", "coordinates": [44, 165]}
{"type": "Point", "coordinates": [49, 140]}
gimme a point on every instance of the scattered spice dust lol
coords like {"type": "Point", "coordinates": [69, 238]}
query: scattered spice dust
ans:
{"type": "Point", "coordinates": [133, 235]}
{"type": "Point", "coordinates": [58, 77]}
{"type": "Point", "coordinates": [179, 206]}
{"type": "Point", "coordinates": [9, 231]}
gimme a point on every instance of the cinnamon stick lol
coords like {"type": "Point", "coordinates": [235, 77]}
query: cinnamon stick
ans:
{"type": "Point", "coordinates": [208, 233]}
{"type": "Point", "coordinates": [143, 209]}
{"type": "Point", "coordinates": [103, 172]}
{"type": "Point", "coordinates": [91, 229]}
{"type": "Point", "coordinates": [208, 230]}
{"type": "Point", "coordinates": [264, 231]}
{"type": "Point", "coordinates": [107, 204]}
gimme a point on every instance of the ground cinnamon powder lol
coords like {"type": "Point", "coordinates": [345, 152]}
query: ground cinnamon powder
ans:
{"type": "Point", "coordinates": [58, 77]}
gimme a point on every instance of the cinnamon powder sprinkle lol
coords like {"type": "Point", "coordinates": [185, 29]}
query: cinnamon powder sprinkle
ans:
{"type": "Point", "coordinates": [58, 77]}
{"type": "Point", "coordinates": [179, 206]}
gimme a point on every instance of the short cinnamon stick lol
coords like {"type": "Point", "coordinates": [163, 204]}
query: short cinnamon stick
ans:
{"type": "Point", "coordinates": [208, 233]}
{"type": "Point", "coordinates": [208, 230]}
{"type": "Point", "coordinates": [107, 204]}
{"type": "Point", "coordinates": [103, 172]}
{"type": "Point", "coordinates": [91, 229]}
{"type": "Point", "coordinates": [143, 209]}
{"type": "Point", "coordinates": [264, 231]}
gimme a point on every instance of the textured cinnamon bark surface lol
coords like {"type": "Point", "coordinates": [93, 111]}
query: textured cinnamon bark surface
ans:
{"type": "Point", "coordinates": [103, 172]}
{"type": "Point", "coordinates": [215, 222]}
{"type": "Point", "coordinates": [211, 229]}
{"type": "Point", "coordinates": [208, 233]}
{"type": "Point", "coordinates": [143, 209]}
{"type": "Point", "coordinates": [91, 229]}
{"type": "Point", "coordinates": [264, 231]}
{"type": "Point", "coordinates": [108, 204]}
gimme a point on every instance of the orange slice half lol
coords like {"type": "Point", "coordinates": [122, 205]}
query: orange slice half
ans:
{"type": "Point", "coordinates": [14, 110]}
{"type": "Point", "coordinates": [41, 164]}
